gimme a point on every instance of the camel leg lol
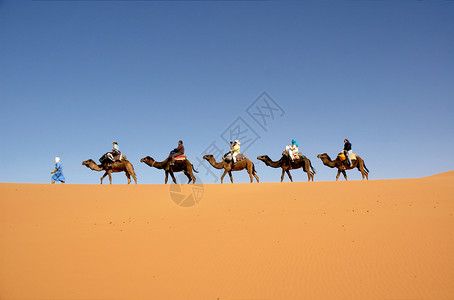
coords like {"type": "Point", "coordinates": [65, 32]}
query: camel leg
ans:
{"type": "Point", "coordinates": [222, 177]}
{"type": "Point", "coordinates": [282, 176]}
{"type": "Point", "coordinates": [231, 177]}
{"type": "Point", "coordinates": [289, 175]}
{"type": "Point", "coordinates": [129, 177]}
{"type": "Point", "coordinates": [103, 176]}
{"type": "Point", "coordinates": [338, 174]}
{"type": "Point", "coordinates": [167, 177]}
{"type": "Point", "coordinates": [364, 173]}
{"type": "Point", "coordinates": [135, 178]}
{"type": "Point", "coordinates": [193, 178]}
{"type": "Point", "coordinates": [189, 177]}
{"type": "Point", "coordinates": [309, 175]}
{"type": "Point", "coordinates": [256, 177]}
{"type": "Point", "coordinates": [250, 175]}
{"type": "Point", "coordinates": [173, 177]}
{"type": "Point", "coordinates": [345, 175]}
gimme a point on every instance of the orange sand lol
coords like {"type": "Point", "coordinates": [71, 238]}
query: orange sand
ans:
{"type": "Point", "coordinates": [383, 239]}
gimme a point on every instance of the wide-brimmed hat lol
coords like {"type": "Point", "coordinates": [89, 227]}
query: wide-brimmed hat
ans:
{"type": "Point", "coordinates": [237, 142]}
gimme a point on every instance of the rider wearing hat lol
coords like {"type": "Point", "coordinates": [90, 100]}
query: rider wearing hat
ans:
{"type": "Point", "coordinates": [292, 149]}
{"type": "Point", "coordinates": [235, 150]}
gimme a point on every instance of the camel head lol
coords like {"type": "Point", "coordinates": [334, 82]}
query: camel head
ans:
{"type": "Point", "coordinates": [263, 157]}
{"type": "Point", "coordinates": [208, 156]}
{"type": "Point", "coordinates": [88, 162]}
{"type": "Point", "coordinates": [324, 155]}
{"type": "Point", "coordinates": [147, 159]}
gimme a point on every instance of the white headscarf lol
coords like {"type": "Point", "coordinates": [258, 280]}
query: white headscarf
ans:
{"type": "Point", "coordinates": [57, 159]}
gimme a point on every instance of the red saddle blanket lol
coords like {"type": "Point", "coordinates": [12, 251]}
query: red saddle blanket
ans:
{"type": "Point", "coordinates": [181, 157]}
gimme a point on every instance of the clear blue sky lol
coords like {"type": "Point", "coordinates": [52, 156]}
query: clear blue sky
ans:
{"type": "Point", "coordinates": [76, 75]}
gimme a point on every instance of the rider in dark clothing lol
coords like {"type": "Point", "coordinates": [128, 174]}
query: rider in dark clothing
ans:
{"type": "Point", "coordinates": [176, 152]}
{"type": "Point", "coordinates": [347, 151]}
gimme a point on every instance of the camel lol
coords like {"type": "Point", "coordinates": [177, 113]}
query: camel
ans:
{"type": "Point", "coordinates": [227, 166]}
{"type": "Point", "coordinates": [286, 166]}
{"type": "Point", "coordinates": [184, 166]}
{"type": "Point", "coordinates": [358, 163]}
{"type": "Point", "coordinates": [118, 166]}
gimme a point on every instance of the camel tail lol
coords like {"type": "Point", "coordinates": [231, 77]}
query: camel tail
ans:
{"type": "Point", "coordinates": [253, 170]}
{"type": "Point", "coordinates": [194, 169]}
{"type": "Point", "coordinates": [365, 168]}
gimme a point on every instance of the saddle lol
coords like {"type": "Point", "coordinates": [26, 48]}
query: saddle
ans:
{"type": "Point", "coordinates": [228, 157]}
{"type": "Point", "coordinates": [181, 157]}
{"type": "Point", "coordinates": [295, 155]}
{"type": "Point", "coordinates": [110, 158]}
{"type": "Point", "coordinates": [342, 157]}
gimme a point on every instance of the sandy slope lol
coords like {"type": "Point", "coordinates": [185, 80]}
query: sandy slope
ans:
{"type": "Point", "coordinates": [384, 239]}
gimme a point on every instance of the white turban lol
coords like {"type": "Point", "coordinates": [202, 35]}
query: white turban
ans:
{"type": "Point", "coordinates": [57, 159]}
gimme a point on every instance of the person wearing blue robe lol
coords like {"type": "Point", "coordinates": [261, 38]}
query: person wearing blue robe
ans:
{"type": "Point", "coordinates": [58, 172]}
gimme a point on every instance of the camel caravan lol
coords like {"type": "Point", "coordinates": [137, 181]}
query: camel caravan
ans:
{"type": "Point", "coordinates": [177, 161]}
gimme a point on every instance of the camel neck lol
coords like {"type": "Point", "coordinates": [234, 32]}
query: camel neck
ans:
{"type": "Point", "coordinates": [328, 162]}
{"type": "Point", "coordinates": [273, 164]}
{"type": "Point", "coordinates": [215, 164]}
{"type": "Point", "coordinates": [159, 164]}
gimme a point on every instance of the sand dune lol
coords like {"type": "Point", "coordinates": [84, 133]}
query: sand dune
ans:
{"type": "Point", "coordinates": [377, 239]}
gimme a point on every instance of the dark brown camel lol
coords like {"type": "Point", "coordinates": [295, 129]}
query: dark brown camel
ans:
{"type": "Point", "coordinates": [184, 166]}
{"type": "Point", "coordinates": [286, 166]}
{"type": "Point", "coordinates": [227, 166]}
{"type": "Point", "coordinates": [341, 167]}
{"type": "Point", "coordinates": [118, 166]}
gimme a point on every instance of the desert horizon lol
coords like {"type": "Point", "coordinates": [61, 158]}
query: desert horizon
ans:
{"type": "Point", "coordinates": [376, 239]}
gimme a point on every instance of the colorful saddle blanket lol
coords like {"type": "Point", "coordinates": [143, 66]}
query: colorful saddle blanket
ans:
{"type": "Point", "coordinates": [295, 155]}
{"type": "Point", "coordinates": [240, 157]}
{"type": "Point", "coordinates": [342, 157]}
{"type": "Point", "coordinates": [181, 157]}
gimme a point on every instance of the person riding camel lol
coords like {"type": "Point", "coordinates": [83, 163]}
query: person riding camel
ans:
{"type": "Point", "coordinates": [115, 150]}
{"type": "Point", "coordinates": [347, 151]}
{"type": "Point", "coordinates": [176, 152]}
{"type": "Point", "coordinates": [292, 149]}
{"type": "Point", "coordinates": [235, 149]}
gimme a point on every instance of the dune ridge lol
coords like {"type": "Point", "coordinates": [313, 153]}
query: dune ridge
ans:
{"type": "Point", "coordinates": [377, 239]}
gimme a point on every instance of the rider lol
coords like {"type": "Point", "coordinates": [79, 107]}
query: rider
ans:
{"type": "Point", "coordinates": [348, 151]}
{"type": "Point", "coordinates": [235, 150]}
{"type": "Point", "coordinates": [176, 152]}
{"type": "Point", "coordinates": [115, 149]}
{"type": "Point", "coordinates": [292, 149]}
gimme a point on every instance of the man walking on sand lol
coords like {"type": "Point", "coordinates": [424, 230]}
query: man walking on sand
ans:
{"type": "Point", "coordinates": [58, 172]}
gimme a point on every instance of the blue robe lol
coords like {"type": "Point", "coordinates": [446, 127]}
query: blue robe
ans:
{"type": "Point", "coordinates": [58, 175]}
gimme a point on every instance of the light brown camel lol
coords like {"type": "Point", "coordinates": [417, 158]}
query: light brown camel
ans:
{"type": "Point", "coordinates": [286, 166]}
{"type": "Point", "coordinates": [118, 166]}
{"type": "Point", "coordinates": [341, 167]}
{"type": "Point", "coordinates": [227, 166]}
{"type": "Point", "coordinates": [184, 166]}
